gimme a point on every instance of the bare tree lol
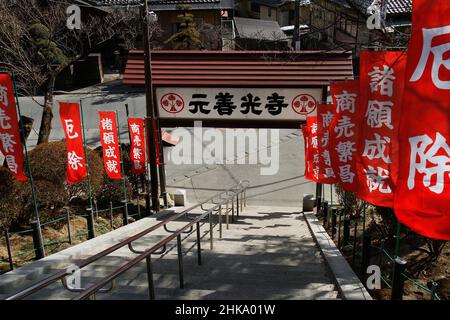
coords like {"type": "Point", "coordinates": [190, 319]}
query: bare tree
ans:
{"type": "Point", "coordinates": [37, 45]}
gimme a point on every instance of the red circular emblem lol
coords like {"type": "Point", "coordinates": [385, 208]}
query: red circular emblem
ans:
{"type": "Point", "coordinates": [304, 104]}
{"type": "Point", "coordinates": [172, 102]}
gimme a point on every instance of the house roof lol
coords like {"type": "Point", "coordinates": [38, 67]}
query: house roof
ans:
{"type": "Point", "coordinates": [278, 3]}
{"type": "Point", "coordinates": [399, 6]}
{"type": "Point", "coordinates": [160, 5]}
{"type": "Point", "coordinates": [240, 68]}
{"type": "Point", "coordinates": [271, 3]}
{"type": "Point", "coordinates": [392, 6]}
{"type": "Point", "coordinates": [258, 29]}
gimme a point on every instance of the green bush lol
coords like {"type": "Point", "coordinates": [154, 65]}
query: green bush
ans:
{"type": "Point", "coordinates": [48, 164]}
{"type": "Point", "coordinates": [9, 200]}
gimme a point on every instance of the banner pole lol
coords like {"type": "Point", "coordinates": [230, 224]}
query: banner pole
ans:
{"type": "Point", "coordinates": [364, 219]}
{"type": "Point", "coordinates": [121, 160]}
{"type": "Point", "coordinates": [331, 196]}
{"type": "Point", "coordinates": [27, 159]}
{"type": "Point", "coordinates": [86, 157]}
{"type": "Point", "coordinates": [397, 239]}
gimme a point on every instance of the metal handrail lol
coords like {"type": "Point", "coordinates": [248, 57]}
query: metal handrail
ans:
{"type": "Point", "coordinates": [94, 288]}
{"type": "Point", "coordinates": [162, 243]}
{"type": "Point", "coordinates": [240, 187]}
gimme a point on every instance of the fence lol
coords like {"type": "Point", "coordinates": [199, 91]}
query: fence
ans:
{"type": "Point", "coordinates": [345, 232]}
{"type": "Point", "coordinates": [92, 228]}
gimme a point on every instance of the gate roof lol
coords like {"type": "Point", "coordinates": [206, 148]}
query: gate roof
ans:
{"type": "Point", "coordinates": [240, 68]}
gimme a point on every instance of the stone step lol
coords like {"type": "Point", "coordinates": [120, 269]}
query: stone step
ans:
{"type": "Point", "coordinates": [245, 293]}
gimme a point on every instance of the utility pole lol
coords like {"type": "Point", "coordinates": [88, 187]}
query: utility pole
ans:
{"type": "Point", "coordinates": [150, 111]}
{"type": "Point", "coordinates": [296, 34]}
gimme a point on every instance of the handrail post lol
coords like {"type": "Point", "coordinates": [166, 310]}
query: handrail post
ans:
{"type": "Point", "coordinates": [367, 243]}
{"type": "Point", "coordinates": [242, 202]}
{"type": "Point", "coordinates": [69, 229]}
{"type": "Point", "coordinates": [355, 230]}
{"type": "Point", "coordinates": [138, 206]}
{"type": "Point", "coordinates": [148, 201]}
{"type": "Point", "coordinates": [199, 248]}
{"type": "Point", "coordinates": [346, 240]}
{"type": "Point", "coordinates": [227, 217]}
{"type": "Point", "coordinates": [333, 222]}
{"type": "Point", "coordinates": [339, 212]}
{"type": "Point", "coordinates": [325, 213]}
{"type": "Point", "coordinates": [210, 231]}
{"type": "Point", "coordinates": [37, 240]}
{"type": "Point", "coordinates": [90, 223]}
{"type": "Point", "coordinates": [434, 287]}
{"type": "Point", "coordinates": [245, 197]}
{"type": "Point", "coordinates": [180, 262]}
{"type": "Point", "coordinates": [237, 205]}
{"type": "Point", "coordinates": [111, 215]}
{"type": "Point", "coordinates": [220, 221]}
{"type": "Point", "coordinates": [125, 213]}
{"type": "Point", "coordinates": [398, 280]}
{"type": "Point", "coordinates": [96, 208]}
{"type": "Point", "coordinates": [382, 244]}
{"type": "Point", "coordinates": [232, 209]}
{"type": "Point", "coordinates": [8, 247]}
{"type": "Point", "coordinates": [151, 285]}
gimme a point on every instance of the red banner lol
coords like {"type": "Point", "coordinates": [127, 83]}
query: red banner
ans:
{"type": "Point", "coordinates": [10, 139]}
{"type": "Point", "coordinates": [422, 195]}
{"type": "Point", "coordinates": [137, 145]}
{"type": "Point", "coordinates": [312, 151]}
{"type": "Point", "coordinates": [325, 115]}
{"type": "Point", "coordinates": [71, 123]}
{"type": "Point", "coordinates": [382, 75]}
{"type": "Point", "coordinates": [344, 132]}
{"type": "Point", "coordinates": [110, 144]}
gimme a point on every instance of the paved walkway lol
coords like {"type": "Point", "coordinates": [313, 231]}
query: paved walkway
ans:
{"type": "Point", "coordinates": [266, 254]}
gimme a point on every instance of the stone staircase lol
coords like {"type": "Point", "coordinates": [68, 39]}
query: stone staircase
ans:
{"type": "Point", "coordinates": [265, 254]}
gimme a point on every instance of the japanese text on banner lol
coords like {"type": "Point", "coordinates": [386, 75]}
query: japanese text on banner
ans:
{"type": "Point", "coordinates": [344, 132]}
{"type": "Point", "coordinates": [422, 193]}
{"type": "Point", "coordinates": [110, 144]}
{"type": "Point", "coordinates": [325, 117]}
{"type": "Point", "coordinates": [137, 151]}
{"type": "Point", "coordinates": [10, 139]}
{"type": "Point", "coordinates": [76, 159]}
{"type": "Point", "coordinates": [381, 91]}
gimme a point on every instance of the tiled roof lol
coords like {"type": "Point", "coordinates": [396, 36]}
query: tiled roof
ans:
{"type": "Point", "coordinates": [166, 5]}
{"type": "Point", "coordinates": [399, 6]}
{"type": "Point", "coordinates": [393, 6]}
{"type": "Point", "coordinates": [245, 68]}
{"type": "Point", "coordinates": [137, 2]}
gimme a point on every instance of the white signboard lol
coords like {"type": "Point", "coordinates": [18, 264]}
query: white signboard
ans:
{"type": "Point", "coordinates": [237, 103]}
